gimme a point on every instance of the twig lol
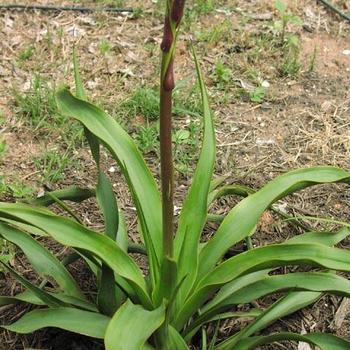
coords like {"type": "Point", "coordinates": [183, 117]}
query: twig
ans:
{"type": "Point", "coordinates": [335, 9]}
{"type": "Point", "coordinates": [64, 8]}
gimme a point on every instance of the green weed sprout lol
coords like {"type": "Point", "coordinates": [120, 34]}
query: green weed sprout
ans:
{"type": "Point", "coordinates": [189, 283]}
{"type": "Point", "coordinates": [285, 18]}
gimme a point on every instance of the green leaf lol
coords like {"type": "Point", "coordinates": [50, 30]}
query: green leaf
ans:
{"type": "Point", "coordinates": [194, 211]}
{"type": "Point", "coordinates": [154, 262]}
{"type": "Point", "coordinates": [71, 233]}
{"type": "Point", "coordinates": [176, 340]}
{"type": "Point", "coordinates": [74, 320]}
{"type": "Point", "coordinates": [79, 87]}
{"type": "Point", "coordinates": [218, 303]}
{"type": "Point", "coordinates": [168, 279]}
{"type": "Point", "coordinates": [108, 204]}
{"type": "Point", "coordinates": [281, 7]}
{"type": "Point", "coordinates": [221, 301]}
{"type": "Point", "coordinates": [308, 281]}
{"type": "Point", "coordinates": [31, 298]}
{"type": "Point", "coordinates": [263, 258]}
{"type": "Point", "coordinates": [295, 20]}
{"type": "Point", "coordinates": [44, 263]}
{"type": "Point", "coordinates": [216, 182]}
{"type": "Point", "coordinates": [227, 190]}
{"type": "Point", "coordinates": [45, 297]}
{"type": "Point", "coordinates": [322, 340]}
{"type": "Point", "coordinates": [106, 297]}
{"type": "Point", "coordinates": [131, 326]}
{"type": "Point", "coordinates": [243, 218]}
{"type": "Point", "coordinates": [288, 304]}
{"type": "Point", "coordinates": [126, 153]}
{"type": "Point", "coordinates": [326, 238]}
{"type": "Point", "coordinates": [74, 194]}
{"type": "Point", "coordinates": [284, 306]}
{"type": "Point", "coordinates": [190, 331]}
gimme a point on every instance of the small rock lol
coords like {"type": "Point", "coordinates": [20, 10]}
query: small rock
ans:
{"type": "Point", "coordinates": [265, 84]}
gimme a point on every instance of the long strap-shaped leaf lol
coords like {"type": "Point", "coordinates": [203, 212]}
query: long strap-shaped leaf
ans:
{"type": "Point", "coordinates": [70, 233]}
{"type": "Point", "coordinates": [311, 281]}
{"type": "Point", "coordinates": [74, 194]}
{"type": "Point", "coordinates": [46, 298]}
{"type": "Point", "coordinates": [131, 326]}
{"type": "Point", "coordinates": [262, 258]}
{"type": "Point", "coordinates": [325, 238]}
{"type": "Point", "coordinates": [31, 298]}
{"type": "Point", "coordinates": [45, 263]}
{"type": "Point", "coordinates": [284, 306]}
{"type": "Point", "coordinates": [190, 331]}
{"type": "Point", "coordinates": [243, 218]}
{"type": "Point", "coordinates": [106, 297]}
{"type": "Point", "coordinates": [126, 153]}
{"type": "Point", "coordinates": [323, 340]}
{"type": "Point", "coordinates": [222, 299]}
{"type": "Point", "coordinates": [78, 321]}
{"type": "Point", "coordinates": [194, 212]}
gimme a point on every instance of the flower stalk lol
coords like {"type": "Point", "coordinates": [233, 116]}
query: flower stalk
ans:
{"type": "Point", "coordinates": [173, 16]}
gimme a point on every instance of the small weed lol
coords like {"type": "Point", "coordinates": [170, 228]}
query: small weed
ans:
{"type": "Point", "coordinates": [3, 148]}
{"type": "Point", "coordinates": [104, 46]}
{"type": "Point", "coordinates": [312, 64]}
{"type": "Point", "coordinates": [137, 12]}
{"type": "Point", "coordinates": [53, 165]}
{"type": "Point", "coordinates": [7, 252]}
{"type": "Point", "coordinates": [291, 64]}
{"type": "Point", "coordinates": [222, 74]}
{"type": "Point", "coordinates": [20, 190]}
{"type": "Point", "coordinates": [286, 18]}
{"type": "Point", "coordinates": [258, 94]}
{"type": "Point", "coordinates": [26, 53]}
{"type": "Point", "coordinates": [147, 138]}
{"type": "Point", "coordinates": [15, 188]}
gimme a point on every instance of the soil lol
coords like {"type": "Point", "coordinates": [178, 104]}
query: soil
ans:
{"type": "Point", "coordinates": [303, 120]}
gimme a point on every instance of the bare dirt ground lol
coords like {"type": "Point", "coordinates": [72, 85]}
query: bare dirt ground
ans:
{"type": "Point", "coordinates": [301, 119]}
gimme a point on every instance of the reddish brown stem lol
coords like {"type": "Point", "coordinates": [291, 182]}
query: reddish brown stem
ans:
{"type": "Point", "coordinates": [177, 10]}
{"type": "Point", "coordinates": [166, 161]}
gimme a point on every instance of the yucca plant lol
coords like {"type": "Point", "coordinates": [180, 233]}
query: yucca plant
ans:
{"type": "Point", "coordinates": [190, 283]}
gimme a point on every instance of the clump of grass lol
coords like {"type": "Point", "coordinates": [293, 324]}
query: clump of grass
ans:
{"type": "Point", "coordinates": [36, 108]}
{"type": "Point", "coordinates": [15, 188]}
{"type": "Point", "coordinates": [204, 6]}
{"type": "Point", "coordinates": [219, 32]}
{"type": "Point", "coordinates": [53, 164]}
{"type": "Point", "coordinates": [104, 46]}
{"type": "Point", "coordinates": [144, 101]}
{"type": "Point", "coordinates": [26, 53]}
